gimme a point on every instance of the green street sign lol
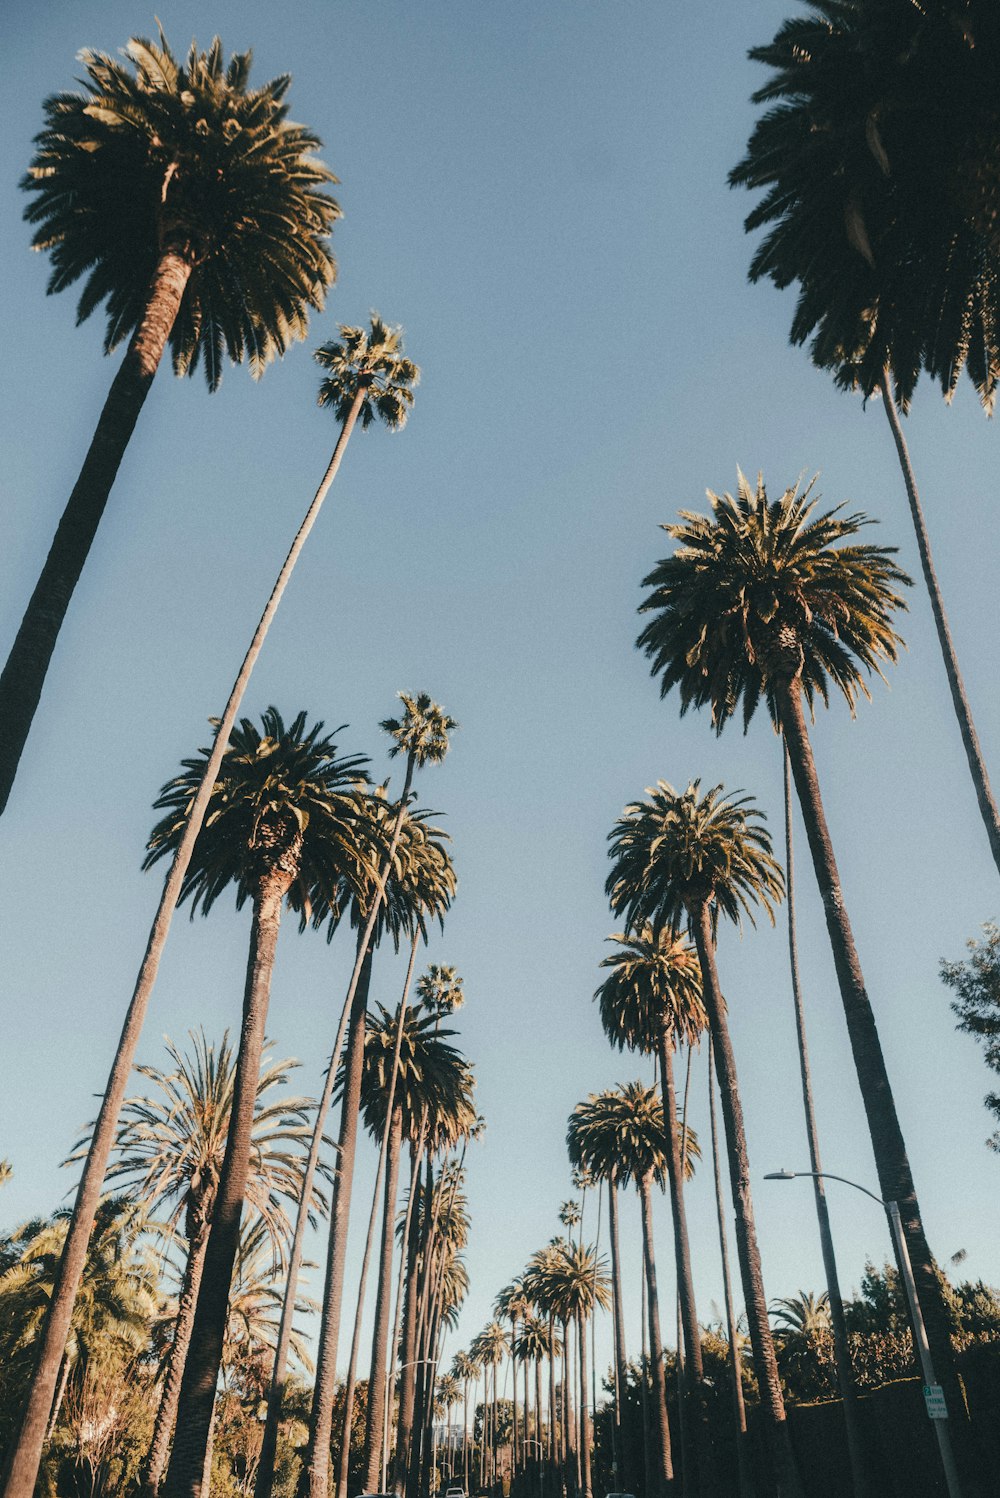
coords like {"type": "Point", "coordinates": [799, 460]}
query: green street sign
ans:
{"type": "Point", "coordinates": [934, 1400]}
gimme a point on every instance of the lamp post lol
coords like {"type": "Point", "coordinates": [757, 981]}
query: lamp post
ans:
{"type": "Point", "coordinates": [933, 1393]}
{"type": "Point", "coordinates": [385, 1427]}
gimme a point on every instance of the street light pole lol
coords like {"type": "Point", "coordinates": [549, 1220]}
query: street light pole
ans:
{"type": "Point", "coordinates": [933, 1395]}
{"type": "Point", "coordinates": [385, 1425]}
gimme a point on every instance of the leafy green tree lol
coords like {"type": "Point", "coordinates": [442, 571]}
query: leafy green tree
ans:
{"type": "Point", "coordinates": [285, 818]}
{"type": "Point", "coordinates": [651, 1002]}
{"type": "Point", "coordinates": [767, 599]}
{"type": "Point", "coordinates": [976, 983]}
{"type": "Point", "coordinates": [196, 212]}
{"type": "Point", "coordinates": [378, 377]}
{"type": "Point", "coordinates": [876, 159]}
{"type": "Point", "coordinates": [682, 859]}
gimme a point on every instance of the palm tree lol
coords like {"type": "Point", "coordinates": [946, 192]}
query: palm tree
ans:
{"type": "Point", "coordinates": [684, 859]}
{"type": "Point", "coordinates": [423, 735]}
{"type": "Point", "coordinates": [651, 1002]}
{"type": "Point", "coordinates": [465, 1369]}
{"type": "Point", "coordinates": [169, 1156]}
{"type": "Point", "coordinates": [423, 883]}
{"type": "Point", "coordinates": [578, 1285]}
{"type": "Point", "coordinates": [194, 209]}
{"type": "Point", "coordinates": [619, 1134]}
{"type": "Point", "coordinates": [877, 203]}
{"type": "Point", "coordinates": [763, 600]}
{"type": "Point", "coordinates": [511, 1304]}
{"type": "Point", "coordinates": [284, 820]}
{"type": "Point", "coordinates": [381, 382]}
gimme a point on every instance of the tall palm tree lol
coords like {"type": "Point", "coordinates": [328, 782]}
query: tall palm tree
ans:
{"type": "Point", "coordinates": [682, 859]}
{"type": "Point", "coordinates": [511, 1304]}
{"type": "Point", "coordinates": [651, 1002]}
{"type": "Point", "coordinates": [422, 734]}
{"type": "Point", "coordinates": [620, 1134]}
{"type": "Point", "coordinates": [423, 882]}
{"type": "Point", "coordinates": [579, 1283]}
{"type": "Point", "coordinates": [879, 201]}
{"type": "Point", "coordinates": [381, 382]}
{"type": "Point", "coordinates": [284, 819]}
{"type": "Point", "coordinates": [465, 1369]}
{"type": "Point", "coordinates": [194, 209]}
{"type": "Point", "coordinates": [765, 599]}
{"type": "Point", "coordinates": [169, 1156]}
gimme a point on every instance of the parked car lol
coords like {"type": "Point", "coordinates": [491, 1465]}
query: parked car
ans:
{"type": "Point", "coordinates": [454, 1493]}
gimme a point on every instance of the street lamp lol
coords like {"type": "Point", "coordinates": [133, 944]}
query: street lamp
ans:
{"type": "Point", "coordinates": [933, 1393]}
{"type": "Point", "coordinates": [385, 1418]}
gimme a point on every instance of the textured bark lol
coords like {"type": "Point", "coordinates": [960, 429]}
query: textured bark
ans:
{"type": "Point", "coordinates": [745, 1470]}
{"type": "Point", "coordinates": [648, 1452]}
{"type": "Point", "coordinates": [845, 1376]}
{"type": "Point", "coordinates": [891, 1162]}
{"type": "Point", "coordinates": [197, 1396]}
{"type": "Point", "coordinates": [783, 1467]}
{"type": "Point", "coordinates": [317, 1464]}
{"type": "Point", "coordinates": [963, 712]}
{"type": "Point", "coordinates": [662, 1477]}
{"type": "Point", "coordinates": [693, 1376]}
{"type": "Point", "coordinates": [166, 1413]}
{"type": "Point", "coordinates": [26, 1456]}
{"type": "Point", "coordinates": [408, 1372]}
{"type": "Point", "coordinates": [585, 1436]}
{"type": "Point", "coordinates": [24, 674]}
{"type": "Point", "coordinates": [380, 1337]}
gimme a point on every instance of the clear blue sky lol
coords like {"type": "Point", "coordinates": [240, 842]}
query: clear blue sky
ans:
{"type": "Point", "coordinates": [536, 191]}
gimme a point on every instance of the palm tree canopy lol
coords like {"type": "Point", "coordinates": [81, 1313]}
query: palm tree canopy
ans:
{"type": "Point", "coordinates": [372, 361]}
{"type": "Point", "coordinates": [422, 730]}
{"type": "Point", "coordinates": [513, 1301]}
{"type": "Point", "coordinates": [533, 1342]}
{"type": "Point", "coordinates": [801, 1316]}
{"type": "Point", "coordinates": [440, 990]}
{"type": "Point", "coordinates": [877, 161]}
{"type": "Point", "coordinates": [655, 984]}
{"type": "Point", "coordinates": [490, 1346]}
{"type": "Point", "coordinates": [282, 795]}
{"type": "Point", "coordinates": [569, 1214]}
{"type": "Point", "coordinates": [171, 1144]}
{"type": "Point", "coordinates": [680, 849]}
{"type": "Point", "coordinates": [578, 1281]}
{"type": "Point", "coordinates": [434, 1081]}
{"type": "Point", "coordinates": [760, 592]}
{"type": "Point", "coordinates": [187, 156]}
{"type": "Point", "coordinates": [620, 1135]}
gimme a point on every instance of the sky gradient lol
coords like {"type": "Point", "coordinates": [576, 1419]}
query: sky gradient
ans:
{"type": "Point", "coordinates": [537, 193]}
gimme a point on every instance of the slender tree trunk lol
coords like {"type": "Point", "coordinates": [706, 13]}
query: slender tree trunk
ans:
{"type": "Point", "coordinates": [621, 1359]}
{"type": "Point", "coordinates": [772, 1405]}
{"type": "Point", "coordinates": [553, 1424]}
{"type": "Point", "coordinates": [163, 1428]}
{"type": "Point", "coordinates": [963, 712]}
{"type": "Point", "coordinates": [60, 1395]}
{"type": "Point", "coordinates": [514, 1423]}
{"type": "Point", "coordinates": [24, 674]}
{"type": "Point", "coordinates": [695, 1394]}
{"type": "Point", "coordinates": [567, 1439]}
{"type": "Point", "coordinates": [651, 1486]}
{"type": "Point", "coordinates": [538, 1447]}
{"type": "Point", "coordinates": [317, 1465]}
{"type": "Point", "coordinates": [201, 1370]}
{"type": "Point", "coordinates": [585, 1435]}
{"type": "Point", "coordinates": [663, 1475]}
{"type": "Point", "coordinates": [845, 1375]}
{"type": "Point", "coordinates": [408, 1374]}
{"type": "Point", "coordinates": [745, 1471]}
{"type": "Point", "coordinates": [892, 1164]}
{"type": "Point", "coordinates": [26, 1456]}
{"type": "Point", "coordinates": [380, 1338]}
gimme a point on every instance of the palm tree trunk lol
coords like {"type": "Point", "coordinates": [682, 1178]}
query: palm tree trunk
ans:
{"type": "Point", "coordinates": [383, 1301]}
{"type": "Point", "coordinates": [772, 1405]}
{"type": "Point", "coordinates": [963, 712]}
{"type": "Point", "coordinates": [663, 1473]}
{"type": "Point", "coordinates": [553, 1425]}
{"type": "Point", "coordinates": [585, 1436]}
{"type": "Point", "coordinates": [317, 1464]}
{"type": "Point", "coordinates": [621, 1456]}
{"type": "Point", "coordinates": [201, 1371]}
{"type": "Point", "coordinates": [513, 1370]}
{"type": "Point", "coordinates": [60, 1395]}
{"type": "Point", "coordinates": [892, 1164]}
{"type": "Point", "coordinates": [648, 1456]}
{"type": "Point", "coordinates": [166, 1414]}
{"type": "Point", "coordinates": [408, 1373]}
{"type": "Point", "coordinates": [24, 674]}
{"type": "Point", "coordinates": [538, 1447]}
{"type": "Point", "coordinates": [845, 1376]}
{"type": "Point", "coordinates": [24, 1462]}
{"type": "Point", "coordinates": [692, 1378]}
{"type": "Point", "coordinates": [745, 1471]}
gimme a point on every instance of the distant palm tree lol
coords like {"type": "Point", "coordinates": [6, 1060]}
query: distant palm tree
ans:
{"type": "Point", "coordinates": [465, 1369]}
{"type": "Point", "coordinates": [169, 1156]}
{"type": "Point", "coordinates": [767, 599]}
{"type": "Point", "coordinates": [878, 202]}
{"type": "Point", "coordinates": [195, 210]}
{"type": "Point", "coordinates": [284, 819]}
{"type": "Point", "coordinates": [579, 1283]}
{"type": "Point", "coordinates": [511, 1304]}
{"type": "Point", "coordinates": [651, 1002]}
{"type": "Point", "coordinates": [379, 380]}
{"type": "Point", "coordinates": [683, 859]}
{"type": "Point", "coordinates": [619, 1134]}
